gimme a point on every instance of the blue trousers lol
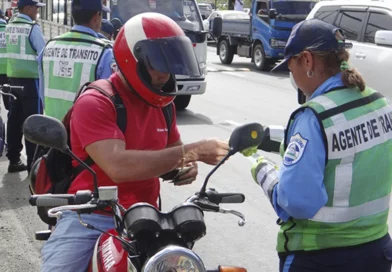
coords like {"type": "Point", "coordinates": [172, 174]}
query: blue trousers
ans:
{"type": "Point", "coordinates": [71, 245]}
{"type": "Point", "coordinates": [373, 256]}
{"type": "Point", "coordinates": [27, 104]}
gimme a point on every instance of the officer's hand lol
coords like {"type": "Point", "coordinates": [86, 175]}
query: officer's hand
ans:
{"type": "Point", "coordinates": [266, 174]}
{"type": "Point", "coordinates": [249, 151]}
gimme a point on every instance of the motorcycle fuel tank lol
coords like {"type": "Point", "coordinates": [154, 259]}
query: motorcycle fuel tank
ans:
{"type": "Point", "coordinates": [109, 255]}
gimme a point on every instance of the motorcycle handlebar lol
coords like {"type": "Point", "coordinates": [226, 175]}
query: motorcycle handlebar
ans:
{"type": "Point", "coordinates": [218, 198]}
{"type": "Point", "coordinates": [232, 198]}
{"type": "Point", "coordinates": [50, 200]}
{"type": "Point", "coordinates": [9, 90]}
{"type": "Point", "coordinates": [81, 201]}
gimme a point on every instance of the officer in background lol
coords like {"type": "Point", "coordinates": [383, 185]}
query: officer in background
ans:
{"type": "Point", "coordinates": [24, 40]}
{"type": "Point", "coordinates": [107, 30]}
{"type": "Point", "coordinates": [65, 64]}
{"type": "Point", "coordinates": [3, 56]}
{"type": "Point", "coordinates": [332, 193]}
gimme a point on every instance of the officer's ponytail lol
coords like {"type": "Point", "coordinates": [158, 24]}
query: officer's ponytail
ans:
{"type": "Point", "coordinates": [335, 61]}
{"type": "Point", "coordinates": [350, 76]}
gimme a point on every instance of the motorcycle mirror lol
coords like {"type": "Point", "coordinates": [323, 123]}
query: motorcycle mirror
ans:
{"type": "Point", "coordinates": [245, 136]}
{"type": "Point", "coordinates": [46, 131]}
{"type": "Point", "coordinates": [50, 132]}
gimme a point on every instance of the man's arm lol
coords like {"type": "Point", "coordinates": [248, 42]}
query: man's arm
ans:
{"type": "Point", "coordinates": [94, 122]}
{"type": "Point", "coordinates": [123, 165]}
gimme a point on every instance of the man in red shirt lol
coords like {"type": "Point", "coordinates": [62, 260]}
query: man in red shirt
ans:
{"type": "Point", "coordinates": [149, 50]}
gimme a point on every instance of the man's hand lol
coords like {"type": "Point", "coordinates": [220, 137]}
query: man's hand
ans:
{"type": "Point", "coordinates": [266, 174]}
{"type": "Point", "coordinates": [188, 177]}
{"type": "Point", "coordinates": [211, 151]}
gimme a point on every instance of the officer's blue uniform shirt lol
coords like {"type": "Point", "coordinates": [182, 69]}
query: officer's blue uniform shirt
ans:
{"type": "Point", "coordinates": [100, 35]}
{"type": "Point", "coordinates": [104, 67]}
{"type": "Point", "coordinates": [300, 192]}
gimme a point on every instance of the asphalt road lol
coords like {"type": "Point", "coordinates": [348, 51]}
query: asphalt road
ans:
{"type": "Point", "coordinates": [235, 95]}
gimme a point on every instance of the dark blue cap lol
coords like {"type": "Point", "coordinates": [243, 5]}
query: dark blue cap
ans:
{"type": "Point", "coordinates": [23, 3]}
{"type": "Point", "coordinates": [107, 27]}
{"type": "Point", "coordinates": [312, 35]}
{"type": "Point", "coordinates": [94, 5]}
{"type": "Point", "coordinates": [116, 23]}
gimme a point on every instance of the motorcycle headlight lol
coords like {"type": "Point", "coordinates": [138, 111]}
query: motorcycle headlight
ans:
{"type": "Point", "coordinates": [174, 259]}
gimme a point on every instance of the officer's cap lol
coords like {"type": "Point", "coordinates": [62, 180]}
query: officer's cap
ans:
{"type": "Point", "coordinates": [312, 35]}
{"type": "Point", "coordinates": [23, 3]}
{"type": "Point", "coordinates": [107, 27]}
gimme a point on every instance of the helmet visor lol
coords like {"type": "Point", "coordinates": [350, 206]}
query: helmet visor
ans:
{"type": "Point", "coordinates": [174, 55]}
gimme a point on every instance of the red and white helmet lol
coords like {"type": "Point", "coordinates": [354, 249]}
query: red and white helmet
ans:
{"type": "Point", "coordinates": [153, 40]}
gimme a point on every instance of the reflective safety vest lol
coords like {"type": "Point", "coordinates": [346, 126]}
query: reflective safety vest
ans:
{"type": "Point", "coordinates": [69, 61]}
{"type": "Point", "coordinates": [21, 57]}
{"type": "Point", "coordinates": [357, 132]}
{"type": "Point", "coordinates": [3, 50]}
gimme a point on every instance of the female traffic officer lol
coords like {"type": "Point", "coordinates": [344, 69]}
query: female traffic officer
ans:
{"type": "Point", "coordinates": [333, 190]}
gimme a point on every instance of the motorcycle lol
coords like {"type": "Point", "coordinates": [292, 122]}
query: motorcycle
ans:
{"type": "Point", "coordinates": [6, 90]}
{"type": "Point", "coordinates": [144, 239]}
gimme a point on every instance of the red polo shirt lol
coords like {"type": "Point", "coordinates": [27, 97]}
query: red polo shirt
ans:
{"type": "Point", "coordinates": [94, 119]}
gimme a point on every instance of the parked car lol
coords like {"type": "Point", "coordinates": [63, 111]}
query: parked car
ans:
{"type": "Point", "coordinates": [368, 25]}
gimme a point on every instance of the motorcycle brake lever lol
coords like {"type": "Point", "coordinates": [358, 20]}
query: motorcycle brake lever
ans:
{"type": "Point", "coordinates": [207, 205]}
{"type": "Point", "coordinates": [242, 220]}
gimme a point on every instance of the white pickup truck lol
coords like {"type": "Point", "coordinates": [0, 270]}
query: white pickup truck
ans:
{"type": "Point", "coordinates": [368, 26]}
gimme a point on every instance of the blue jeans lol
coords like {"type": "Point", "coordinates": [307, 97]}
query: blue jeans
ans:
{"type": "Point", "coordinates": [71, 245]}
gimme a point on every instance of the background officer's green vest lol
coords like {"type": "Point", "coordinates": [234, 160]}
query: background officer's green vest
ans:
{"type": "Point", "coordinates": [3, 50]}
{"type": "Point", "coordinates": [357, 131]}
{"type": "Point", "coordinates": [69, 61]}
{"type": "Point", "coordinates": [21, 57]}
